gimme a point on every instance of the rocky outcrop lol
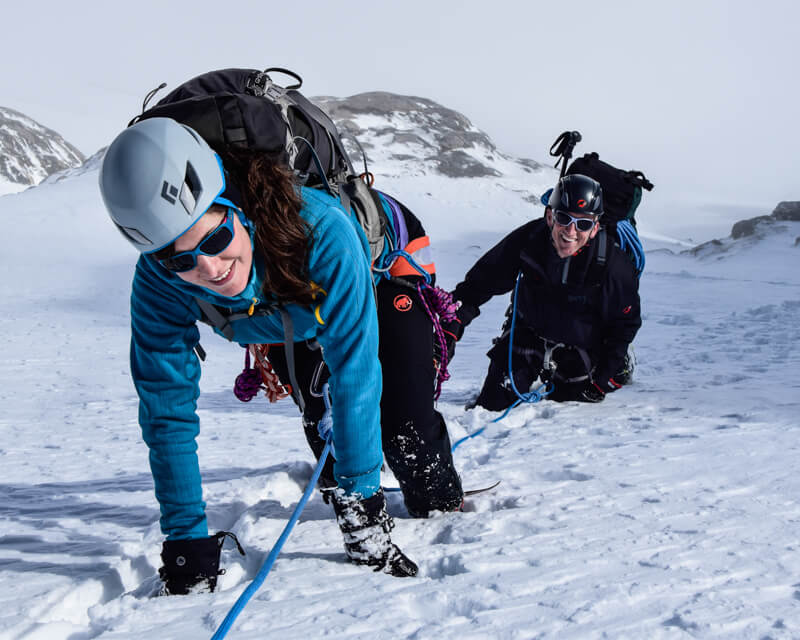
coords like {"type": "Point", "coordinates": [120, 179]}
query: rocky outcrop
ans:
{"type": "Point", "coordinates": [784, 211]}
{"type": "Point", "coordinates": [752, 229]}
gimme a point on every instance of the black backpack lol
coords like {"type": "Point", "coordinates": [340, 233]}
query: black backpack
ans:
{"type": "Point", "coordinates": [622, 194]}
{"type": "Point", "coordinates": [622, 190]}
{"type": "Point", "coordinates": [245, 108]}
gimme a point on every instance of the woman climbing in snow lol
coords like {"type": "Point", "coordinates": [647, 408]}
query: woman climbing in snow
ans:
{"type": "Point", "coordinates": [233, 234]}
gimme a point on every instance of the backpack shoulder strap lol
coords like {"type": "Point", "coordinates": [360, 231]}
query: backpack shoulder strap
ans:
{"type": "Point", "coordinates": [597, 270]}
{"type": "Point", "coordinates": [602, 248]}
{"type": "Point", "coordinates": [215, 318]}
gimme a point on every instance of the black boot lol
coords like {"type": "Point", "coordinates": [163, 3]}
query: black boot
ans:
{"type": "Point", "coordinates": [365, 525]}
{"type": "Point", "coordinates": [193, 565]}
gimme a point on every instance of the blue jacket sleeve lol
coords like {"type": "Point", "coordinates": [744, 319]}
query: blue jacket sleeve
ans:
{"type": "Point", "coordinates": [348, 332]}
{"type": "Point", "coordinates": [166, 374]}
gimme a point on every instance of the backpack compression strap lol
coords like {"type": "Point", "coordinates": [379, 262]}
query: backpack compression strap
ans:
{"type": "Point", "coordinates": [288, 343]}
{"type": "Point", "coordinates": [215, 317]}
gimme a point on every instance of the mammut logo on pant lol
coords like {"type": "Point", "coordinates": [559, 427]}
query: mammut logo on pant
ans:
{"type": "Point", "coordinates": [169, 192]}
{"type": "Point", "coordinates": [402, 302]}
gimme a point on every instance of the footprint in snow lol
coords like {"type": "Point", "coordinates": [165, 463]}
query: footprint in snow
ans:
{"type": "Point", "coordinates": [566, 474]}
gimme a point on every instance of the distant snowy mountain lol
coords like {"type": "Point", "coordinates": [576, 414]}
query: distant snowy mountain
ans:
{"type": "Point", "coordinates": [435, 160]}
{"type": "Point", "coordinates": [784, 212]}
{"type": "Point", "coordinates": [29, 152]}
{"type": "Point", "coordinates": [416, 135]}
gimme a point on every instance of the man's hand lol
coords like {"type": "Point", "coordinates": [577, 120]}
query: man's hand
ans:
{"type": "Point", "coordinates": [452, 334]}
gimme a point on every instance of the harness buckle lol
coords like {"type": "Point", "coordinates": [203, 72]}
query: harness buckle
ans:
{"type": "Point", "coordinates": [549, 365]}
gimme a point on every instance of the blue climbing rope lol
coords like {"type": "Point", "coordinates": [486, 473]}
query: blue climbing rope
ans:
{"type": "Point", "coordinates": [629, 241]}
{"type": "Point", "coordinates": [530, 397]}
{"type": "Point", "coordinates": [251, 589]}
{"type": "Point", "coordinates": [399, 253]}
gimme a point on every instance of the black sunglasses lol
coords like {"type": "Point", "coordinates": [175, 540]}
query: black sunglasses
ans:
{"type": "Point", "coordinates": [215, 242]}
{"type": "Point", "coordinates": [581, 224]}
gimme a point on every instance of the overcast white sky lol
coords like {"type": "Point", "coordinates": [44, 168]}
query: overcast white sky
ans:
{"type": "Point", "coordinates": [702, 96]}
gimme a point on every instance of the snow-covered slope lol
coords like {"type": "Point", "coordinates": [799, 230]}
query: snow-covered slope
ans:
{"type": "Point", "coordinates": [668, 511]}
{"type": "Point", "coordinates": [29, 152]}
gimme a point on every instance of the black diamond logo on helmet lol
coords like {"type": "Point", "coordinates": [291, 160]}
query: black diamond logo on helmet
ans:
{"type": "Point", "coordinates": [169, 192]}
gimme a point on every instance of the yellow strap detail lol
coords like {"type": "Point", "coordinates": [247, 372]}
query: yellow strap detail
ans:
{"type": "Point", "coordinates": [314, 288]}
{"type": "Point", "coordinates": [252, 307]}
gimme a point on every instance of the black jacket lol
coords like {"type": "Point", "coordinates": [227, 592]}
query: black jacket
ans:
{"type": "Point", "coordinates": [574, 300]}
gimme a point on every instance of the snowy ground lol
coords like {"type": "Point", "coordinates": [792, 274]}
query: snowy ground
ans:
{"type": "Point", "coordinates": [668, 511]}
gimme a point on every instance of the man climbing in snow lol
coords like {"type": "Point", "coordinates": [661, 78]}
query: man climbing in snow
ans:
{"type": "Point", "coordinates": [576, 309]}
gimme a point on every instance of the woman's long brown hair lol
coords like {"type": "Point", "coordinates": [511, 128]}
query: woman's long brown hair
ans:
{"type": "Point", "coordinates": [272, 202]}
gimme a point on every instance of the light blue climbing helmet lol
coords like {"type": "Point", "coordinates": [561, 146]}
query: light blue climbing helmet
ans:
{"type": "Point", "coordinates": [157, 179]}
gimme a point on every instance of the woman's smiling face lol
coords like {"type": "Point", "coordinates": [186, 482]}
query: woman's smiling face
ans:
{"type": "Point", "coordinates": [226, 273]}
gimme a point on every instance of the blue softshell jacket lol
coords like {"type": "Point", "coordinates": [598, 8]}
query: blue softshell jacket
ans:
{"type": "Point", "coordinates": [166, 371]}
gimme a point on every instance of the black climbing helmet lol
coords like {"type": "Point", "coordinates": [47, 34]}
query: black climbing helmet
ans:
{"type": "Point", "coordinates": [576, 193]}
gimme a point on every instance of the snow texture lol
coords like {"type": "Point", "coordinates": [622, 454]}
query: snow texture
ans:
{"type": "Point", "coordinates": [668, 511]}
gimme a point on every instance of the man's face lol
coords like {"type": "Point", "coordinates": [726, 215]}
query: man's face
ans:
{"type": "Point", "coordinates": [567, 238]}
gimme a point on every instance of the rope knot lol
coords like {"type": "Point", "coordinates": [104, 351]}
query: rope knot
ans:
{"type": "Point", "coordinates": [441, 302]}
{"type": "Point", "coordinates": [441, 307]}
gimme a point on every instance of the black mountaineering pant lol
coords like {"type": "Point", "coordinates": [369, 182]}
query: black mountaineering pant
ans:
{"type": "Point", "coordinates": [416, 445]}
{"type": "Point", "coordinates": [415, 440]}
